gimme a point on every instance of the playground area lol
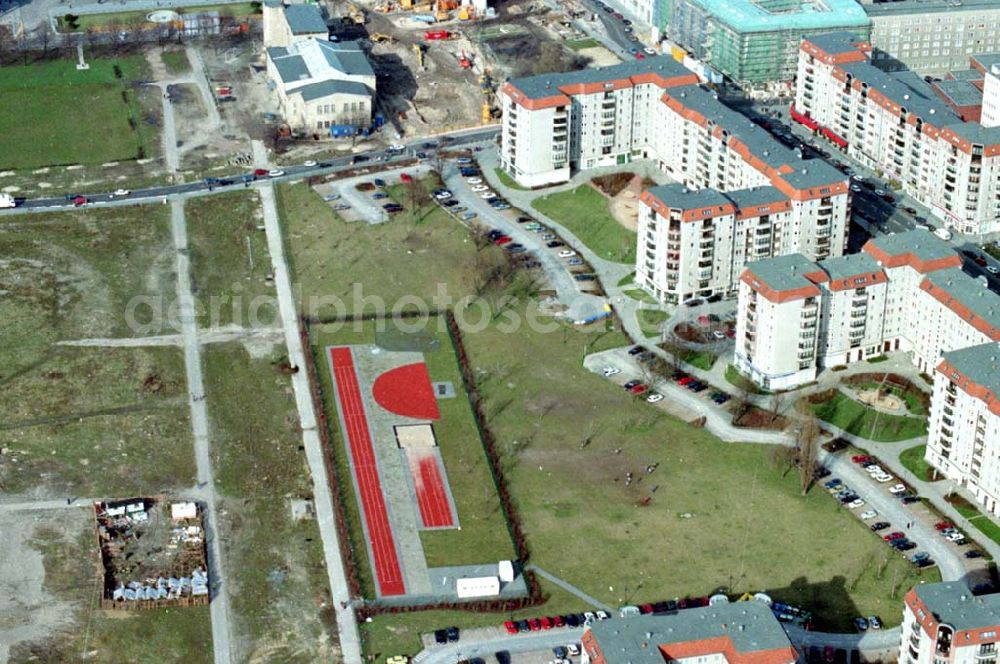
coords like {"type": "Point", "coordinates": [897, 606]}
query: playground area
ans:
{"type": "Point", "coordinates": [407, 431]}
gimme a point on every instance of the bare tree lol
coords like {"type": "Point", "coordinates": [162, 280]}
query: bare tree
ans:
{"type": "Point", "coordinates": [777, 404]}
{"type": "Point", "coordinates": [45, 37]}
{"type": "Point", "coordinates": [417, 198]}
{"type": "Point", "coordinates": [808, 440]}
{"type": "Point", "coordinates": [7, 42]}
{"type": "Point", "coordinates": [784, 458]}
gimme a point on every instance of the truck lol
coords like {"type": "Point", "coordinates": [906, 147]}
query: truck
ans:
{"type": "Point", "coordinates": [7, 201]}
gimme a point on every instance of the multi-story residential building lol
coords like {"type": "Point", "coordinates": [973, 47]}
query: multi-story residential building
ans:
{"type": "Point", "coordinates": [776, 201]}
{"type": "Point", "coordinates": [932, 36]}
{"type": "Point", "coordinates": [904, 292]}
{"type": "Point", "coordinates": [945, 622]}
{"type": "Point", "coordinates": [964, 431]}
{"type": "Point", "coordinates": [991, 90]}
{"type": "Point", "coordinates": [694, 243]}
{"type": "Point", "coordinates": [739, 633]}
{"type": "Point", "coordinates": [755, 43]}
{"type": "Point", "coordinates": [896, 124]}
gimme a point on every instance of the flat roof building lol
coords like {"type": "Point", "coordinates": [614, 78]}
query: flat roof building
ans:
{"type": "Point", "coordinates": [946, 622]}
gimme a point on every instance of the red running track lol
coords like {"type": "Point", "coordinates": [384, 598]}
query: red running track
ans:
{"type": "Point", "coordinates": [432, 499]}
{"type": "Point", "coordinates": [386, 560]}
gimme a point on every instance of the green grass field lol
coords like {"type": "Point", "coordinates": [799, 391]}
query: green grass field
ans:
{"type": "Point", "coordinates": [507, 180]}
{"type": "Point", "coordinates": [584, 211]}
{"type": "Point", "coordinates": [650, 320]}
{"type": "Point", "coordinates": [741, 382]}
{"type": "Point", "coordinates": [229, 261]}
{"type": "Point", "coordinates": [971, 512]}
{"type": "Point", "coordinates": [855, 418]}
{"type": "Point", "coordinates": [580, 44]}
{"type": "Point", "coordinates": [483, 536]}
{"type": "Point", "coordinates": [281, 604]}
{"type": "Point", "coordinates": [176, 62]}
{"type": "Point", "coordinates": [913, 460]}
{"type": "Point", "coordinates": [53, 114]}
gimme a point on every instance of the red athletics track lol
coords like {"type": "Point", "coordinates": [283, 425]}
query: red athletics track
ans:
{"type": "Point", "coordinates": [435, 510]}
{"type": "Point", "coordinates": [386, 561]}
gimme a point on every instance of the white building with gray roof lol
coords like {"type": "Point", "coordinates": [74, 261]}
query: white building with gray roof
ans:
{"type": "Point", "coordinates": [322, 84]}
{"type": "Point", "coordinates": [945, 622]}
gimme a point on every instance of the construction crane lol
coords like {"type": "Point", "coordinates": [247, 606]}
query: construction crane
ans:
{"type": "Point", "coordinates": [419, 50]}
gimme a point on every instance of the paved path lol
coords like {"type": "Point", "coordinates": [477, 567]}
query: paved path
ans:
{"type": "Point", "coordinates": [214, 335]}
{"type": "Point", "coordinates": [38, 505]}
{"type": "Point", "coordinates": [493, 641]}
{"type": "Point", "coordinates": [347, 627]}
{"type": "Point", "coordinates": [219, 606]}
{"type": "Point", "coordinates": [201, 80]}
{"type": "Point", "coordinates": [570, 588]}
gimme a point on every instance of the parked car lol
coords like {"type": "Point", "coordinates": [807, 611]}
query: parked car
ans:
{"type": "Point", "coordinates": [870, 514]}
{"type": "Point", "coordinates": [879, 525]}
{"type": "Point", "coordinates": [584, 277]}
{"type": "Point", "coordinates": [861, 624]}
{"type": "Point", "coordinates": [510, 626]}
{"type": "Point", "coordinates": [897, 489]}
{"type": "Point", "coordinates": [567, 253]}
{"type": "Point", "coordinates": [275, 173]}
{"type": "Point", "coordinates": [452, 633]}
{"type": "Point", "coordinates": [546, 622]}
{"type": "Point", "coordinates": [975, 553]}
{"type": "Point", "coordinates": [440, 636]}
{"type": "Point", "coordinates": [654, 397]}
{"type": "Point", "coordinates": [466, 216]}
{"type": "Point", "coordinates": [602, 615]}
{"type": "Point", "coordinates": [874, 622]}
{"type": "Point", "coordinates": [856, 503]}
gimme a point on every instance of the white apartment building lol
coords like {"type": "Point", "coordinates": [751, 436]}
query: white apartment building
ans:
{"type": "Point", "coordinates": [964, 438]}
{"type": "Point", "coordinates": [894, 123]}
{"type": "Point", "coordinates": [991, 91]}
{"type": "Point", "coordinates": [558, 124]}
{"type": "Point", "coordinates": [946, 623]}
{"type": "Point", "coordinates": [904, 292]}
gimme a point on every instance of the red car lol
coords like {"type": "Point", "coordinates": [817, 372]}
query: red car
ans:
{"type": "Point", "coordinates": [558, 621]}
{"type": "Point", "coordinates": [80, 200]}
{"type": "Point", "coordinates": [861, 458]}
{"type": "Point", "coordinates": [260, 172]}
{"type": "Point", "coordinates": [640, 56]}
{"type": "Point", "coordinates": [891, 537]}
{"type": "Point", "coordinates": [646, 608]}
{"type": "Point", "coordinates": [639, 389]}
{"type": "Point", "coordinates": [534, 624]}
{"type": "Point", "coordinates": [405, 177]}
{"type": "Point", "coordinates": [510, 627]}
{"type": "Point", "coordinates": [685, 380]}
{"type": "Point", "coordinates": [546, 622]}
{"type": "Point", "coordinates": [502, 240]}
{"type": "Point", "coordinates": [943, 525]}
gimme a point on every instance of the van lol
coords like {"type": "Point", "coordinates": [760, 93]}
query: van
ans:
{"type": "Point", "coordinates": [943, 233]}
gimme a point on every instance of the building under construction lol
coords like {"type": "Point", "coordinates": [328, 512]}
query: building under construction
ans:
{"type": "Point", "coordinates": [153, 553]}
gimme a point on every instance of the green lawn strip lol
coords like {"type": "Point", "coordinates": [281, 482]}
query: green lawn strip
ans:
{"type": "Point", "coordinates": [584, 212]}
{"type": "Point", "coordinates": [507, 180]}
{"type": "Point", "coordinates": [855, 418]}
{"type": "Point", "coordinates": [59, 115]}
{"type": "Point", "coordinates": [399, 633]}
{"type": "Point", "coordinates": [577, 437]}
{"type": "Point", "coordinates": [980, 521]}
{"type": "Point", "coordinates": [741, 382]}
{"type": "Point", "coordinates": [176, 62]}
{"type": "Point", "coordinates": [640, 295]}
{"type": "Point", "coordinates": [580, 44]}
{"type": "Point", "coordinates": [627, 280]}
{"type": "Point", "coordinates": [346, 267]}
{"type": "Point", "coordinates": [98, 422]}
{"type": "Point", "coordinates": [700, 359]}
{"type": "Point", "coordinates": [913, 460]}
{"type": "Point", "coordinates": [650, 320]}
{"type": "Point", "coordinates": [483, 536]}
{"type": "Point", "coordinates": [229, 261]}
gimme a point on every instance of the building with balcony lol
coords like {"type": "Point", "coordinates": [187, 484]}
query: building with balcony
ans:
{"type": "Point", "coordinates": [896, 124]}
{"type": "Point", "coordinates": [931, 36]}
{"type": "Point", "coordinates": [738, 633]}
{"type": "Point", "coordinates": [964, 431]}
{"type": "Point", "coordinates": [945, 622]}
{"type": "Point", "coordinates": [755, 42]}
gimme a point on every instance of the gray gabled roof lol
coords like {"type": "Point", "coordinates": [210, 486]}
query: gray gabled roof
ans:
{"type": "Point", "coordinates": [305, 19]}
{"type": "Point", "coordinates": [954, 603]}
{"type": "Point", "coordinates": [325, 88]}
{"type": "Point", "coordinates": [750, 626]}
{"type": "Point", "coordinates": [291, 68]}
{"type": "Point", "coordinates": [911, 93]}
{"type": "Point", "coordinates": [347, 57]}
{"type": "Point", "coordinates": [967, 293]}
{"type": "Point", "coordinates": [547, 85]}
{"type": "Point", "coordinates": [981, 365]}
{"type": "Point", "coordinates": [784, 273]}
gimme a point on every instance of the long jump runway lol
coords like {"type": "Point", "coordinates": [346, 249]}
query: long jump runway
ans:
{"type": "Point", "coordinates": [376, 516]}
{"type": "Point", "coordinates": [429, 486]}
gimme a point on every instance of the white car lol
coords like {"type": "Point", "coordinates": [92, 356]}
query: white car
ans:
{"type": "Point", "coordinates": [396, 148]}
{"type": "Point", "coordinates": [573, 649]}
{"type": "Point", "coordinates": [870, 514]}
{"type": "Point", "coordinates": [943, 233]}
{"type": "Point", "coordinates": [486, 194]}
{"type": "Point", "coordinates": [654, 397]}
{"type": "Point", "coordinates": [955, 537]}
{"type": "Point", "coordinates": [897, 489]}
{"type": "Point", "coordinates": [589, 617]}
{"type": "Point", "coordinates": [719, 334]}
{"type": "Point", "coordinates": [882, 479]}
{"type": "Point", "coordinates": [309, 163]}
{"type": "Point", "coordinates": [855, 188]}
{"type": "Point", "coordinates": [443, 195]}
{"type": "Point", "coordinates": [992, 270]}
{"type": "Point", "coordinates": [880, 192]}
{"type": "Point", "coordinates": [275, 173]}
{"type": "Point", "coordinates": [649, 50]}
{"type": "Point", "coordinates": [602, 615]}
{"type": "Point", "coordinates": [875, 469]}
{"type": "Point", "coordinates": [611, 371]}
{"type": "Point", "coordinates": [475, 180]}
{"type": "Point", "coordinates": [480, 187]}
{"type": "Point", "coordinates": [120, 192]}
{"type": "Point", "coordinates": [567, 253]}
{"type": "Point", "coordinates": [858, 178]}
{"type": "Point", "coordinates": [854, 504]}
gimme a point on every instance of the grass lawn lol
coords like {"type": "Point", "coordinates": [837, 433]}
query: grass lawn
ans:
{"type": "Point", "coordinates": [913, 460]}
{"type": "Point", "coordinates": [650, 320]}
{"type": "Point", "coordinates": [121, 412]}
{"type": "Point", "coordinates": [280, 591]}
{"type": "Point", "coordinates": [483, 536]}
{"type": "Point", "coordinates": [580, 44]}
{"type": "Point", "coordinates": [747, 525]}
{"type": "Point", "coordinates": [229, 260]}
{"type": "Point", "coordinates": [700, 359]}
{"type": "Point", "coordinates": [584, 212]}
{"type": "Point", "coordinates": [640, 295]}
{"type": "Point", "coordinates": [176, 62]}
{"type": "Point", "coordinates": [58, 115]}
{"type": "Point", "coordinates": [855, 418]}
{"type": "Point", "coordinates": [507, 180]}
{"type": "Point", "coordinates": [741, 382]}
{"type": "Point", "coordinates": [982, 522]}
{"type": "Point", "coordinates": [404, 257]}
{"type": "Point", "coordinates": [914, 405]}
{"type": "Point", "coordinates": [89, 273]}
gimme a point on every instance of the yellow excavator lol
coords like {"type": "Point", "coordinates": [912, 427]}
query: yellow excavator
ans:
{"type": "Point", "coordinates": [419, 50]}
{"type": "Point", "coordinates": [378, 38]}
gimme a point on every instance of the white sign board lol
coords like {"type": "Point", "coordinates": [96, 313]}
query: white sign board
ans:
{"type": "Point", "coordinates": [478, 586]}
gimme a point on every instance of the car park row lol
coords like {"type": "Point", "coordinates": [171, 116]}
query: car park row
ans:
{"type": "Point", "coordinates": [682, 379]}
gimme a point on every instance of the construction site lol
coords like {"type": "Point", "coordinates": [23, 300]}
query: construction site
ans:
{"type": "Point", "coordinates": [439, 64]}
{"type": "Point", "coordinates": [153, 553]}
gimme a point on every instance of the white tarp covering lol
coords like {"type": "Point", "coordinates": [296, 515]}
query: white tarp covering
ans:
{"type": "Point", "coordinates": [478, 586]}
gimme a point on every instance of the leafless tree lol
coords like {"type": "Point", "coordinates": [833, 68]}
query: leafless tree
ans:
{"type": "Point", "coordinates": [777, 404]}
{"type": "Point", "coordinates": [808, 441]}
{"type": "Point", "coordinates": [45, 37]}
{"type": "Point", "coordinates": [784, 458]}
{"type": "Point", "coordinates": [7, 42]}
{"type": "Point", "coordinates": [417, 199]}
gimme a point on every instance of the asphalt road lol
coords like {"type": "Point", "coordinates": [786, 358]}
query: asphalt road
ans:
{"type": "Point", "coordinates": [615, 29]}
{"type": "Point", "coordinates": [457, 139]}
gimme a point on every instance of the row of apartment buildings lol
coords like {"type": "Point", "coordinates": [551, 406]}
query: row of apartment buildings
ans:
{"type": "Point", "coordinates": [740, 195]}
{"type": "Point", "coordinates": [904, 292]}
{"type": "Point", "coordinates": [943, 623]}
{"type": "Point", "coordinates": [895, 123]}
